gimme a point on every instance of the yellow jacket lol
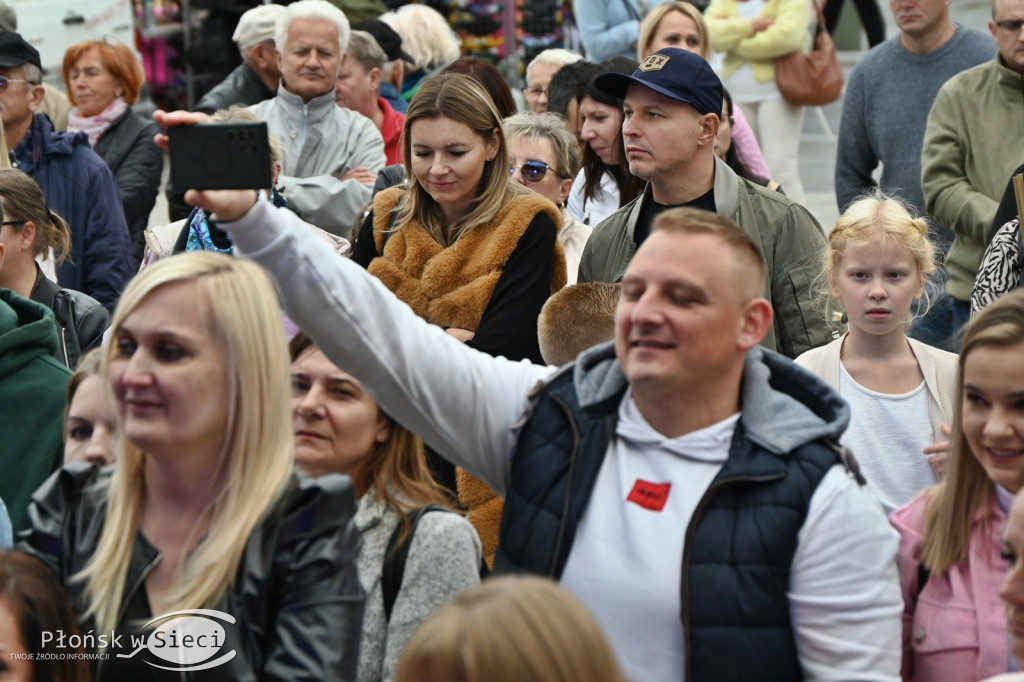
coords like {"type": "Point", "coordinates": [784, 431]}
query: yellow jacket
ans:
{"type": "Point", "coordinates": [734, 35]}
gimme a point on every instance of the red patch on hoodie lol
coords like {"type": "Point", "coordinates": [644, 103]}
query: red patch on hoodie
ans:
{"type": "Point", "coordinates": [652, 496]}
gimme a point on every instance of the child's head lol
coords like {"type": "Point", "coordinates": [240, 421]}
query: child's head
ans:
{"type": "Point", "coordinates": [576, 318]}
{"type": "Point", "coordinates": [878, 232]}
{"type": "Point", "coordinates": [509, 629]}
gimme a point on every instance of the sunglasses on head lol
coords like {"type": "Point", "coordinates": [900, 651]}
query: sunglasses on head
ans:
{"type": "Point", "coordinates": [533, 171]}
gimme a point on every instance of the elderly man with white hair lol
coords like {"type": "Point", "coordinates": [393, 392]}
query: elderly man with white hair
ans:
{"type": "Point", "coordinates": [332, 155]}
{"type": "Point", "coordinates": [257, 77]}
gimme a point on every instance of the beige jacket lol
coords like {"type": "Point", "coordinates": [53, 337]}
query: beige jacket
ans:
{"type": "Point", "coordinates": [939, 368]}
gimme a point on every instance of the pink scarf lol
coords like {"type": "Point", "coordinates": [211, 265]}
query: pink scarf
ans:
{"type": "Point", "coordinates": [96, 125]}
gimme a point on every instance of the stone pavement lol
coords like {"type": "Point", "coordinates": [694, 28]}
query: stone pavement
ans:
{"type": "Point", "coordinates": [818, 143]}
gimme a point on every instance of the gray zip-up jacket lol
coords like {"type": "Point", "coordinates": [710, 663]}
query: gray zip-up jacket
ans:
{"type": "Point", "coordinates": [322, 142]}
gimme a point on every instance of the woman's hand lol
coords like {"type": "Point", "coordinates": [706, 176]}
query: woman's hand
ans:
{"type": "Point", "coordinates": [762, 23]}
{"type": "Point", "coordinates": [226, 204]}
{"type": "Point", "coordinates": [462, 335]}
{"type": "Point", "coordinates": [937, 453]}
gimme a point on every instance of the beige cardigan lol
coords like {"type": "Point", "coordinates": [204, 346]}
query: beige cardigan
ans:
{"type": "Point", "coordinates": [939, 368]}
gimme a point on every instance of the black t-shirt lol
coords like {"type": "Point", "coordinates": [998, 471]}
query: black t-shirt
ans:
{"type": "Point", "coordinates": [651, 208]}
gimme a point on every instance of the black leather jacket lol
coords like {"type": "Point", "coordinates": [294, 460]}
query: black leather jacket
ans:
{"type": "Point", "coordinates": [242, 86]}
{"type": "Point", "coordinates": [296, 599]}
{"type": "Point", "coordinates": [81, 319]}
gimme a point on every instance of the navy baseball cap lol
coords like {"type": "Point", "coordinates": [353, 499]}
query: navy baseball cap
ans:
{"type": "Point", "coordinates": [14, 51]}
{"type": "Point", "coordinates": [681, 75]}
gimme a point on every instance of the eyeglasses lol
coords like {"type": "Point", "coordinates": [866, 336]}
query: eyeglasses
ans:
{"type": "Point", "coordinates": [4, 82]}
{"type": "Point", "coordinates": [1011, 25]}
{"type": "Point", "coordinates": [534, 171]}
{"type": "Point", "coordinates": [535, 91]}
{"type": "Point", "coordinates": [12, 222]}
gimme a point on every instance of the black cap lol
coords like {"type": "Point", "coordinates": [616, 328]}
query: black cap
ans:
{"type": "Point", "coordinates": [14, 51]}
{"type": "Point", "coordinates": [386, 37]}
{"type": "Point", "coordinates": [675, 73]}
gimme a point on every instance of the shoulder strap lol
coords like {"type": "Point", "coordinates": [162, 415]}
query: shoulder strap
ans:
{"type": "Point", "coordinates": [395, 556]}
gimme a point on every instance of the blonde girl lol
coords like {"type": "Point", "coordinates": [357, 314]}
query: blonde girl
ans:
{"type": "Point", "coordinates": [900, 391]}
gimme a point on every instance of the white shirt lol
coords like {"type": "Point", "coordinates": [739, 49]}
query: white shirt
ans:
{"type": "Point", "coordinates": [593, 211]}
{"type": "Point", "coordinates": [888, 434]}
{"type": "Point", "coordinates": [650, 485]}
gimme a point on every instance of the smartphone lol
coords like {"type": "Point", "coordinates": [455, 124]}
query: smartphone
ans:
{"type": "Point", "coordinates": [220, 156]}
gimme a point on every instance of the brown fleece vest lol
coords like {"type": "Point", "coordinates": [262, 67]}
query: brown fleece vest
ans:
{"type": "Point", "coordinates": [451, 286]}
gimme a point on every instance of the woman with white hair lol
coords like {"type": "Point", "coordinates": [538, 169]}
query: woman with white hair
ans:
{"type": "Point", "coordinates": [427, 38]}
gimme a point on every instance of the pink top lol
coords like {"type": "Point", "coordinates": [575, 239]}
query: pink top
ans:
{"type": "Point", "coordinates": [955, 629]}
{"type": "Point", "coordinates": [746, 144]}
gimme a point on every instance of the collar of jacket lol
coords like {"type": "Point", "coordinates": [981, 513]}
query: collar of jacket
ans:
{"type": "Point", "coordinates": [314, 110]}
{"type": "Point", "coordinates": [726, 191]}
{"type": "Point", "coordinates": [1007, 77]}
{"type": "Point", "coordinates": [783, 406]}
{"type": "Point", "coordinates": [41, 140]}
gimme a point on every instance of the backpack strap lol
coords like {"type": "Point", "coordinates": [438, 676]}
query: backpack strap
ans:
{"type": "Point", "coordinates": [395, 557]}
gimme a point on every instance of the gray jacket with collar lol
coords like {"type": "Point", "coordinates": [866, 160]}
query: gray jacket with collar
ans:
{"type": "Point", "coordinates": [333, 141]}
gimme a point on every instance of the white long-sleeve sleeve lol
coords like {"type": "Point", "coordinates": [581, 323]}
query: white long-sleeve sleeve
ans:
{"type": "Point", "coordinates": [460, 401]}
{"type": "Point", "coordinates": [844, 597]}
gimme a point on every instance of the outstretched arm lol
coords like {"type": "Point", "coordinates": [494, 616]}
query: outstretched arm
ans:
{"type": "Point", "coordinates": [460, 401]}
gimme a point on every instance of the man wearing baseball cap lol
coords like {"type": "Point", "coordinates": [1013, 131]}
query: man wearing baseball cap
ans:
{"type": "Point", "coordinates": [257, 77]}
{"type": "Point", "coordinates": [394, 70]}
{"type": "Point", "coordinates": [671, 106]}
{"type": "Point", "coordinates": [76, 182]}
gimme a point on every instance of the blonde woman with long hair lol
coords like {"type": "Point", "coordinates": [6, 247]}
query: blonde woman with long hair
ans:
{"type": "Point", "coordinates": [952, 560]}
{"type": "Point", "coordinates": [202, 509]}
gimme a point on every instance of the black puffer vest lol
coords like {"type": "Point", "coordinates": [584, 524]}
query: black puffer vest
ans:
{"type": "Point", "coordinates": [739, 546]}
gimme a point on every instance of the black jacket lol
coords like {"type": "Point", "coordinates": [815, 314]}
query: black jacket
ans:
{"type": "Point", "coordinates": [242, 86]}
{"type": "Point", "coordinates": [296, 600]}
{"type": "Point", "coordinates": [129, 151]}
{"type": "Point", "coordinates": [81, 320]}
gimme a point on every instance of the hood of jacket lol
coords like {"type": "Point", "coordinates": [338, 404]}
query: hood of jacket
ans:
{"type": "Point", "coordinates": [783, 405]}
{"type": "Point", "coordinates": [41, 140]}
{"type": "Point", "coordinates": [26, 331]}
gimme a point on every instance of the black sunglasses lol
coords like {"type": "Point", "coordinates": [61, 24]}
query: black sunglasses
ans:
{"type": "Point", "coordinates": [534, 171]}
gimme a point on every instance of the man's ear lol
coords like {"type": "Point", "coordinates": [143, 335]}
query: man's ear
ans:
{"type": "Point", "coordinates": [756, 321]}
{"type": "Point", "coordinates": [397, 74]}
{"type": "Point", "coordinates": [2, 251]}
{"type": "Point", "coordinates": [708, 129]}
{"type": "Point", "coordinates": [375, 78]}
{"type": "Point", "coordinates": [35, 97]}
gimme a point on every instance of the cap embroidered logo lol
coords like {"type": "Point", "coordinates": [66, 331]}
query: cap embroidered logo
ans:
{"type": "Point", "coordinates": [654, 62]}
